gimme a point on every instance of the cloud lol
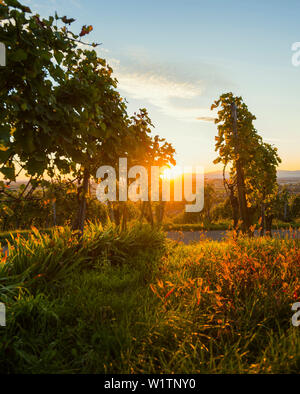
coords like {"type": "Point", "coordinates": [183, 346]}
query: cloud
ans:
{"type": "Point", "coordinates": [159, 92]}
{"type": "Point", "coordinates": [172, 94]}
{"type": "Point", "coordinates": [271, 140]}
{"type": "Point", "coordinates": [206, 118]}
{"type": "Point", "coordinates": [178, 90]}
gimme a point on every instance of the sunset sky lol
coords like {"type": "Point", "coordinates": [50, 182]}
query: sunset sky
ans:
{"type": "Point", "coordinates": [175, 57]}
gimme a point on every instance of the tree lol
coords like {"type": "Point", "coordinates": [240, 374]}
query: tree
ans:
{"type": "Point", "coordinates": [149, 151]}
{"type": "Point", "coordinates": [261, 184]}
{"type": "Point", "coordinates": [235, 135]}
{"type": "Point", "coordinates": [60, 108]}
{"type": "Point", "coordinates": [96, 127]}
{"type": "Point", "coordinates": [37, 52]}
{"type": "Point", "coordinates": [56, 99]}
{"type": "Point", "coordinates": [223, 210]}
{"type": "Point", "coordinates": [295, 208]}
{"type": "Point", "coordinates": [252, 162]}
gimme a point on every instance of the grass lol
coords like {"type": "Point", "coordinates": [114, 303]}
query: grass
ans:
{"type": "Point", "coordinates": [220, 226]}
{"type": "Point", "coordinates": [8, 236]}
{"type": "Point", "coordinates": [136, 303]}
{"type": "Point", "coordinates": [279, 224]}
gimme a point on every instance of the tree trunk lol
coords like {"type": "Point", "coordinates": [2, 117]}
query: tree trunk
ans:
{"type": "Point", "coordinates": [285, 211]}
{"type": "Point", "coordinates": [124, 219]}
{"type": "Point", "coordinates": [79, 224]}
{"type": "Point", "coordinates": [110, 212]}
{"type": "Point", "coordinates": [54, 213]}
{"type": "Point", "coordinates": [240, 177]}
{"type": "Point", "coordinates": [161, 212]}
{"type": "Point", "coordinates": [263, 220]}
{"type": "Point", "coordinates": [269, 220]}
{"type": "Point", "coordinates": [150, 213]}
{"type": "Point", "coordinates": [142, 211]}
{"type": "Point", "coordinates": [235, 208]}
{"type": "Point", "coordinates": [117, 214]}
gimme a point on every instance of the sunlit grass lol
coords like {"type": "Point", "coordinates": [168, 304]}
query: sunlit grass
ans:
{"type": "Point", "coordinates": [135, 303]}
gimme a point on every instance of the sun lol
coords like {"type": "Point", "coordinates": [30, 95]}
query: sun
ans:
{"type": "Point", "coordinates": [171, 173]}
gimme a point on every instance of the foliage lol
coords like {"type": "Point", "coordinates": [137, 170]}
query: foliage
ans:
{"type": "Point", "coordinates": [40, 258]}
{"type": "Point", "coordinates": [295, 208]}
{"type": "Point", "coordinates": [52, 203]}
{"type": "Point", "coordinates": [60, 106]}
{"type": "Point", "coordinates": [204, 308]}
{"type": "Point", "coordinates": [252, 162]}
{"type": "Point", "coordinates": [37, 52]}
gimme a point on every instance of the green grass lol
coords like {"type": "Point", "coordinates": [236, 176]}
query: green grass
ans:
{"type": "Point", "coordinates": [136, 303]}
{"type": "Point", "coordinates": [279, 224]}
{"type": "Point", "coordinates": [7, 236]}
{"type": "Point", "coordinates": [220, 226]}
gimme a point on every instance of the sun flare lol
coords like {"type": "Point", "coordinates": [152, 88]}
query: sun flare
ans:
{"type": "Point", "coordinates": [171, 173]}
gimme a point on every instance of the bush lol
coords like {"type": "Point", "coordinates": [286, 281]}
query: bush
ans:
{"type": "Point", "coordinates": [37, 259]}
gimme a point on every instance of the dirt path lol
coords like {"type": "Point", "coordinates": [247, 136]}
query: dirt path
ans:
{"type": "Point", "coordinates": [191, 236]}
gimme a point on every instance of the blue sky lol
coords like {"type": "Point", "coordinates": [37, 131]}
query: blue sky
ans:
{"type": "Point", "coordinates": [175, 57]}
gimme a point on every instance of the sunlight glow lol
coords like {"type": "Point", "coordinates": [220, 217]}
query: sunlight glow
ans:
{"type": "Point", "coordinates": [171, 173]}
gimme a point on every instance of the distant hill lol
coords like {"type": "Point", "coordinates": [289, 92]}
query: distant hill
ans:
{"type": "Point", "coordinates": [282, 174]}
{"type": "Point", "coordinates": [288, 174]}
{"type": "Point", "coordinates": [215, 175]}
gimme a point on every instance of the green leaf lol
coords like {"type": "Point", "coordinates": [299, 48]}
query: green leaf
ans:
{"type": "Point", "coordinates": [8, 172]}
{"type": "Point", "coordinates": [18, 56]}
{"type": "Point", "coordinates": [24, 106]}
{"type": "Point", "coordinates": [4, 155]}
{"type": "Point", "coordinates": [58, 56]}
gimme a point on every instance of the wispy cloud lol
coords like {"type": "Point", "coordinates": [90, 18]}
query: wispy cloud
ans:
{"type": "Point", "coordinates": [206, 118]}
{"type": "Point", "coordinates": [159, 91]}
{"type": "Point", "coordinates": [282, 140]}
{"type": "Point", "coordinates": [162, 86]}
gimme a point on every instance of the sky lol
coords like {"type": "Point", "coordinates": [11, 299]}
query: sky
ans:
{"type": "Point", "coordinates": [175, 57]}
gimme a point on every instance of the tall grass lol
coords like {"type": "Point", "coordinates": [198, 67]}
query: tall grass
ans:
{"type": "Point", "coordinates": [135, 303]}
{"type": "Point", "coordinates": [66, 296]}
{"type": "Point", "coordinates": [47, 258]}
{"type": "Point", "coordinates": [226, 307]}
